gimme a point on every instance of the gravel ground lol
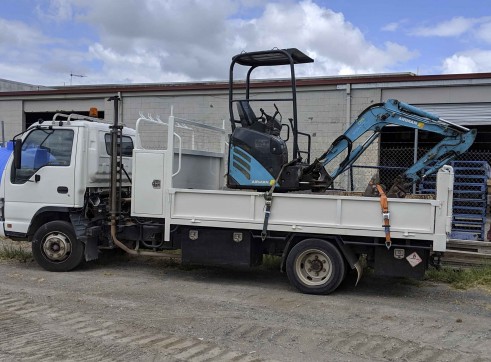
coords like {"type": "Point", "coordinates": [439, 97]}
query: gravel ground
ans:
{"type": "Point", "coordinates": [129, 309]}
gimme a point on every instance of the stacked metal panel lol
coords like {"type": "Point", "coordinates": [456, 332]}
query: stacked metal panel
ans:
{"type": "Point", "coordinates": [469, 198]}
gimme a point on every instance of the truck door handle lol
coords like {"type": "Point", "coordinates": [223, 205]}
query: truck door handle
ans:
{"type": "Point", "coordinates": [62, 190]}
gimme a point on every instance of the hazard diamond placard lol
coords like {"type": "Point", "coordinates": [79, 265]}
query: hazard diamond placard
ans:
{"type": "Point", "coordinates": [414, 259]}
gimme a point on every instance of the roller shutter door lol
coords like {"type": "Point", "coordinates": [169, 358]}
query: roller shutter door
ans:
{"type": "Point", "coordinates": [477, 114]}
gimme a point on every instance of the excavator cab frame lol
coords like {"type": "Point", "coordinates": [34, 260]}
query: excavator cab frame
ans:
{"type": "Point", "coordinates": [257, 153]}
{"type": "Point", "coordinates": [268, 58]}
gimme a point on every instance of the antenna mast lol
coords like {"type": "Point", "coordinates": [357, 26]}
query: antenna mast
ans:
{"type": "Point", "coordinates": [76, 75]}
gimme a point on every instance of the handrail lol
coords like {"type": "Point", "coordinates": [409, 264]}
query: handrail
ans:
{"type": "Point", "coordinates": [75, 116]}
{"type": "Point", "coordinates": [180, 155]}
{"type": "Point", "coordinates": [149, 119]}
{"type": "Point", "coordinates": [201, 125]}
{"type": "Point", "coordinates": [182, 123]}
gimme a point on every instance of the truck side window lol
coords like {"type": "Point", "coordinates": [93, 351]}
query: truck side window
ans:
{"type": "Point", "coordinates": [127, 145]}
{"type": "Point", "coordinates": [44, 147]}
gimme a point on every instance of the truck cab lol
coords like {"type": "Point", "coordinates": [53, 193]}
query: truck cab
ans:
{"type": "Point", "coordinates": [59, 163]}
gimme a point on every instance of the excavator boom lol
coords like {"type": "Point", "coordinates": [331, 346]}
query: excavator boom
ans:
{"type": "Point", "coordinates": [456, 139]}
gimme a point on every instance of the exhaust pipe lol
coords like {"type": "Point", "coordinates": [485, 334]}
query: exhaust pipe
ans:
{"type": "Point", "coordinates": [116, 130]}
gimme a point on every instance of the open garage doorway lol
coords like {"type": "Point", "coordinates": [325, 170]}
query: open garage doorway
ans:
{"type": "Point", "coordinates": [402, 146]}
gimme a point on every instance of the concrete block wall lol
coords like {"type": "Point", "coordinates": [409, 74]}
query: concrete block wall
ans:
{"type": "Point", "coordinates": [208, 109]}
{"type": "Point", "coordinates": [212, 109]}
{"type": "Point", "coordinates": [66, 105]}
{"type": "Point", "coordinates": [12, 116]}
{"type": "Point", "coordinates": [360, 100]}
{"type": "Point", "coordinates": [322, 114]}
{"type": "Point", "coordinates": [436, 94]}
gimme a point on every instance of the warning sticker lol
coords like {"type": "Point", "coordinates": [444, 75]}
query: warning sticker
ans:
{"type": "Point", "coordinates": [414, 259]}
{"type": "Point", "coordinates": [399, 253]}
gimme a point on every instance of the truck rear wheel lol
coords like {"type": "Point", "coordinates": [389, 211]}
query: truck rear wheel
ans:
{"type": "Point", "coordinates": [55, 247]}
{"type": "Point", "coordinates": [315, 266]}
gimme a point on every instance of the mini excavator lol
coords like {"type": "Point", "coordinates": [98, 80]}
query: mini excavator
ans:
{"type": "Point", "coordinates": [258, 155]}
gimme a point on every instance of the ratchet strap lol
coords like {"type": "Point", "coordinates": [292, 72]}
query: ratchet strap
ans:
{"type": "Point", "coordinates": [384, 204]}
{"type": "Point", "coordinates": [268, 199]}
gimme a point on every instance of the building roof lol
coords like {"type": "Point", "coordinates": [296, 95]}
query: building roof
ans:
{"type": "Point", "coordinates": [387, 78]}
{"type": "Point", "coordinates": [13, 86]}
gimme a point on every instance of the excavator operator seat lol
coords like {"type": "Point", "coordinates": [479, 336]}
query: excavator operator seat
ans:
{"type": "Point", "coordinates": [246, 114]}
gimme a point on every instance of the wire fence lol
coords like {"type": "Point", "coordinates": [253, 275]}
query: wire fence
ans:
{"type": "Point", "coordinates": [472, 170]}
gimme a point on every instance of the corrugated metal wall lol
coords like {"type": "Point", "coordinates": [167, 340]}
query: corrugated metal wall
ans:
{"type": "Point", "coordinates": [476, 114]}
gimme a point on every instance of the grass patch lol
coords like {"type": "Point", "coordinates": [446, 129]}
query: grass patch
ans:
{"type": "Point", "coordinates": [271, 262]}
{"type": "Point", "coordinates": [15, 252]}
{"type": "Point", "coordinates": [462, 278]}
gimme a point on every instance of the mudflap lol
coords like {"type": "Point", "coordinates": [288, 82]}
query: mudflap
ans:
{"type": "Point", "coordinates": [351, 258]}
{"type": "Point", "coordinates": [401, 262]}
{"type": "Point", "coordinates": [91, 249]}
{"type": "Point", "coordinates": [92, 243]}
{"type": "Point", "coordinates": [89, 236]}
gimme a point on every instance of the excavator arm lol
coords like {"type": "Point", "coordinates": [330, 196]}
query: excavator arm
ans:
{"type": "Point", "coordinates": [456, 140]}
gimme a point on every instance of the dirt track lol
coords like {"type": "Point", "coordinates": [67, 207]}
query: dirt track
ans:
{"type": "Point", "coordinates": [134, 310]}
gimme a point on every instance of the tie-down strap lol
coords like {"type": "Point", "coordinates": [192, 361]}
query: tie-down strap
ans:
{"type": "Point", "coordinates": [384, 204]}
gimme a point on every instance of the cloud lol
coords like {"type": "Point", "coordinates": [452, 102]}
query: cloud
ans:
{"type": "Point", "coordinates": [57, 11]}
{"type": "Point", "coordinates": [473, 61]}
{"type": "Point", "coordinates": [474, 31]}
{"type": "Point", "coordinates": [484, 32]}
{"type": "Point", "coordinates": [28, 54]}
{"type": "Point", "coordinates": [454, 27]}
{"type": "Point", "coordinates": [17, 34]}
{"type": "Point", "coordinates": [189, 38]}
{"type": "Point", "coordinates": [138, 67]}
{"type": "Point", "coordinates": [391, 27]}
{"type": "Point", "coordinates": [133, 41]}
{"type": "Point", "coordinates": [195, 39]}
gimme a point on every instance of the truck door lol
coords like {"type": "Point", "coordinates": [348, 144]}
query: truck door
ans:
{"type": "Point", "coordinates": [46, 177]}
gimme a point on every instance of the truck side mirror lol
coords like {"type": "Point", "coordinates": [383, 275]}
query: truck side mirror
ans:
{"type": "Point", "coordinates": [17, 153]}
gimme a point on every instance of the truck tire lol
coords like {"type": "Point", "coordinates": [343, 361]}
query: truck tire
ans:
{"type": "Point", "coordinates": [55, 247]}
{"type": "Point", "coordinates": [315, 266]}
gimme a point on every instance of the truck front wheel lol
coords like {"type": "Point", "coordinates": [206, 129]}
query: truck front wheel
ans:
{"type": "Point", "coordinates": [315, 266]}
{"type": "Point", "coordinates": [55, 247]}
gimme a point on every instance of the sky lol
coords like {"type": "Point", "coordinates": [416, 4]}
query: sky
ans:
{"type": "Point", "coordinates": [82, 42]}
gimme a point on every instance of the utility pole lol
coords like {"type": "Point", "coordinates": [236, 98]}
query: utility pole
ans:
{"type": "Point", "coordinates": [76, 75]}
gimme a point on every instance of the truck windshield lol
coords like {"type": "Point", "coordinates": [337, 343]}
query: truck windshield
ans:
{"type": "Point", "coordinates": [44, 147]}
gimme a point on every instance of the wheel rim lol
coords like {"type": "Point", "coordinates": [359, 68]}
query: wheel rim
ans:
{"type": "Point", "coordinates": [57, 246]}
{"type": "Point", "coordinates": [313, 267]}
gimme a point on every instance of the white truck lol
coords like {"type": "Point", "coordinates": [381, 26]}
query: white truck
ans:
{"type": "Point", "coordinates": [76, 186]}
